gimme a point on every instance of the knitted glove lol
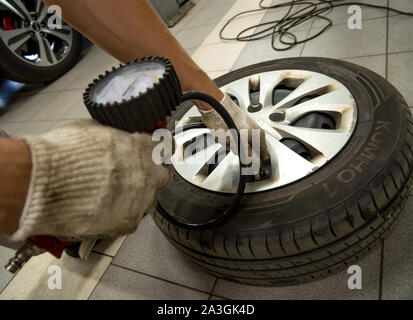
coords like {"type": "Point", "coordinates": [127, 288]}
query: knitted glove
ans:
{"type": "Point", "coordinates": [242, 120]}
{"type": "Point", "coordinates": [89, 181]}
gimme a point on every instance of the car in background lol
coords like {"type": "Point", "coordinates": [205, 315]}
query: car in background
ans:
{"type": "Point", "coordinates": [31, 51]}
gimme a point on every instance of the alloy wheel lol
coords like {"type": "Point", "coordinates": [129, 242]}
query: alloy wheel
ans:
{"type": "Point", "coordinates": [25, 30]}
{"type": "Point", "coordinates": [308, 118]}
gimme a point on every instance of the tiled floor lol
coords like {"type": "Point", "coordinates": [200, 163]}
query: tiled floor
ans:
{"type": "Point", "coordinates": [145, 265]}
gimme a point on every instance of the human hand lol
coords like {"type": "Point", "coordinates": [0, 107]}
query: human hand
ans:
{"type": "Point", "coordinates": [89, 181]}
{"type": "Point", "coordinates": [242, 120]}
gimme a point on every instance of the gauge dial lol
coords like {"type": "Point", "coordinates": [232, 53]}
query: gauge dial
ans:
{"type": "Point", "coordinates": [136, 96]}
{"type": "Point", "coordinates": [128, 82]}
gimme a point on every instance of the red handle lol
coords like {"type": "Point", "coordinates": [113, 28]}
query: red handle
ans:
{"type": "Point", "coordinates": [161, 124]}
{"type": "Point", "coordinates": [50, 244]}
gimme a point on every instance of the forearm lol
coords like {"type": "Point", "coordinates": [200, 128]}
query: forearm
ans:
{"type": "Point", "coordinates": [130, 29]}
{"type": "Point", "coordinates": [15, 169]}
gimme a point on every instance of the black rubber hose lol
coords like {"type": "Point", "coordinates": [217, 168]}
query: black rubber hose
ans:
{"type": "Point", "coordinates": [232, 209]}
{"type": "Point", "coordinates": [283, 28]}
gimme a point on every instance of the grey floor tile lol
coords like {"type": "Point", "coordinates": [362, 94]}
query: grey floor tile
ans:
{"type": "Point", "coordinates": [25, 107]}
{"type": "Point", "coordinates": [188, 17]}
{"type": "Point", "coordinates": [341, 42]}
{"type": "Point", "coordinates": [96, 56]}
{"type": "Point", "coordinates": [87, 75]}
{"type": "Point", "coordinates": [11, 127]}
{"type": "Point", "coordinates": [402, 5]}
{"type": "Point", "coordinates": [398, 257]}
{"type": "Point", "coordinates": [35, 127]}
{"type": "Point", "coordinates": [120, 284]}
{"type": "Point", "coordinates": [216, 74]}
{"type": "Point", "coordinates": [57, 107]}
{"type": "Point", "coordinates": [64, 82]}
{"type": "Point", "coordinates": [148, 251]}
{"type": "Point", "coordinates": [192, 38]}
{"type": "Point", "coordinates": [78, 278]}
{"type": "Point", "coordinates": [61, 123]}
{"type": "Point", "coordinates": [400, 33]}
{"type": "Point", "coordinates": [77, 111]}
{"type": "Point", "coordinates": [400, 74]}
{"type": "Point", "coordinates": [217, 56]}
{"type": "Point", "coordinates": [5, 276]}
{"type": "Point", "coordinates": [374, 63]}
{"type": "Point", "coordinates": [109, 246]}
{"type": "Point", "coordinates": [208, 15]}
{"type": "Point", "coordinates": [214, 3]}
{"type": "Point", "coordinates": [331, 288]}
{"type": "Point", "coordinates": [79, 77]}
{"type": "Point", "coordinates": [261, 50]}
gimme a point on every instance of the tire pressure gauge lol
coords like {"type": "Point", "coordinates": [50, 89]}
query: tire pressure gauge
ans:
{"type": "Point", "coordinates": [135, 97]}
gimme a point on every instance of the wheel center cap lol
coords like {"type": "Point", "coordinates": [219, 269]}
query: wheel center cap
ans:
{"type": "Point", "coordinates": [36, 26]}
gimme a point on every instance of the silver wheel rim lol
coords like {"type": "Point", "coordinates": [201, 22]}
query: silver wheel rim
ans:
{"type": "Point", "coordinates": [311, 94]}
{"type": "Point", "coordinates": [32, 40]}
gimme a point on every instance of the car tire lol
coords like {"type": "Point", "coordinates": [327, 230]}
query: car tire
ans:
{"type": "Point", "coordinates": [321, 224]}
{"type": "Point", "coordinates": [16, 68]}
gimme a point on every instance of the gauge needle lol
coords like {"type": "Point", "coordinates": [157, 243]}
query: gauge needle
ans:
{"type": "Point", "coordinates": [129, 87]}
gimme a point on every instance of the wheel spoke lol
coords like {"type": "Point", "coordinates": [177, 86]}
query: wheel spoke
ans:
{"type": "Point", "coordinates": [182, 137]}
{"type": "Point", "coordinates": [18, 8]}
{"type": "Point", "coordinates": [41, 11]}
{"type": "Point", "coordinates": [312, 85]}
{"type": "Point", "coordinates": [225, 176]}
{"type": "Point", "coordinates": [190, 114]}
{"type": "Point", "coordinates": [39, 5]}
{"type": "Point", "coordinates": [269, 80]}
{"type": "Point", "coordinates": [286, 165]}
{"type": "Point", "coordinates": [337, 101]}
{"type": "Point", "coordinates": [16, 45]}
{"type": "Point", "coordinates": [66, 37]}
{"type": "Point", "coordinates": [13, 38]}
{"type": "Point", "coordinates": [327, 142]}
{"type": "Point", "coordinates": [192, 164]}
{"type": "Point", "coordinates": [240, 90]}
{"type": "Point", "coordinates": [51, 52]}
{"type": "Point", "coordinates": [45, 52]}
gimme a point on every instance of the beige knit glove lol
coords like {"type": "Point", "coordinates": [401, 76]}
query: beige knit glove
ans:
{"type": "Point", "coordinates": [242, 120]}
{"type": "Point", "coordinates": [89, 181]}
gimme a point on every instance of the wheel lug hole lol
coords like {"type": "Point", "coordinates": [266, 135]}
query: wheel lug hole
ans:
{"type": "Point", "coordinates": [277, 116]}
{"type": "Point", "coordinates": [255, 108]}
